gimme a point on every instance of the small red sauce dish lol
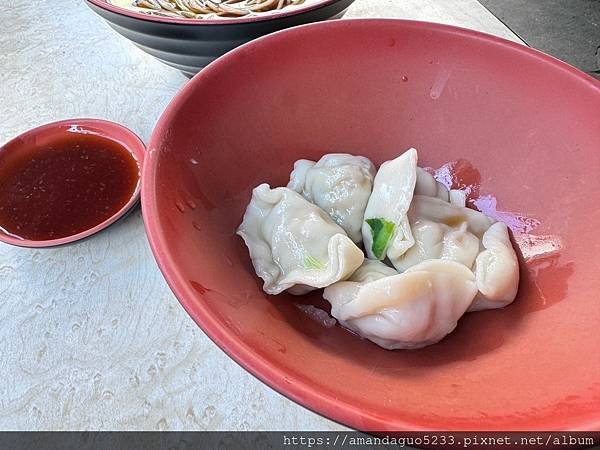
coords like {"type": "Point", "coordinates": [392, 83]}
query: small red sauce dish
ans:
{"type": "Point", "coordinates": [67, 180]}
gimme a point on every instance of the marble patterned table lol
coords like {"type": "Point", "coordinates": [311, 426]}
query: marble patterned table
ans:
{"type": "Point", "coordinates": [91, 337]}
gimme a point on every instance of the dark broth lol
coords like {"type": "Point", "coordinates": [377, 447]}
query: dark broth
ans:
{"type": "Point", "coordinates": [65, 187]}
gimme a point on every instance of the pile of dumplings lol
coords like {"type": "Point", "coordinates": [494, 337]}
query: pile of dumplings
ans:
{"type": "Point", "coordinates": [429, 258]}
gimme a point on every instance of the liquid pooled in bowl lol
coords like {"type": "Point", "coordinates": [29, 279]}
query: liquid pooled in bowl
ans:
{"type": "Point", "coordinates": [65, 187]}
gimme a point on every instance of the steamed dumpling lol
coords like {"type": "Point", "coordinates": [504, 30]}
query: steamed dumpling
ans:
{"type": "Point", "coordinates": [338, 183]}
{"type": "Point", "coordinates": [294, 244]}
{"type": "Point", "coordinates": [371, 270]}
{"type": "Point", "coordinates": [439, 241]}
{"type": "Point", "coordinates": [436, 210]}
{"type": "Point", "coordinates": [405, 311]}
{"type": "Point", "coordinates": [443, 230]}
{"type": "Point", "coordinates": [385, 230]}
{"type": "Point", "coordinates": [427, 185]}
{"type": "Point", "coordinates": [496, 270]}
{"type": "Point", "coordinates": [457, 197]}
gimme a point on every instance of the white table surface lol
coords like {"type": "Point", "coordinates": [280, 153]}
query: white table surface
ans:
{"type": "Point", "coordinates": [91, 337]}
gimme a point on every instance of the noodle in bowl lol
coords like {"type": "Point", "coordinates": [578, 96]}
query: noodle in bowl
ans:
{"type": "Point", "coordinates": [208, 9]}
{"type": "Point", "coordinates": [181, 34]}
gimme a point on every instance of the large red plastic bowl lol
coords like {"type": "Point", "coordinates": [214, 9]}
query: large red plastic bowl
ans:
{"type": "Point", "coordinates": [525, 130]}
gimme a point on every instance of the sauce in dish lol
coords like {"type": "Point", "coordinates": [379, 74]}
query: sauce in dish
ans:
{"type": "Point", "coordinates": [65, 187]}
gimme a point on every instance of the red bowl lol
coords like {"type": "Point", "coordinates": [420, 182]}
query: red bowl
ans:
{"type": "Point", "coordinates": [40, 136]}
{"type": "Point", "coordinates": [521, 128]}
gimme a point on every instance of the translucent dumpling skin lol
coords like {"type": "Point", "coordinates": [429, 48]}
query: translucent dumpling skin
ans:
{"type": "Point", "coordinates": [455, 233]}
{"type": "Point", "coordinates": [496, 270]}
{"type": "Point", "coordinates": [440, 211]}
{"type": "Point", "coordinates": [405, 311]}
{"type": "Point", "coordinates": [443, 230]}
{"type": "Point", "coordinates": [427, 185]}
{"type": "Point", "coordinates": [447, 259]}
{"type": "Point", "coordinates": [294, 244]}
{"type": "Point", "coordinates": [385, 230]}
{"type": "Point", "coordinates": [371, 270]}
{"type": "Point", "coordinates": [338, 183]}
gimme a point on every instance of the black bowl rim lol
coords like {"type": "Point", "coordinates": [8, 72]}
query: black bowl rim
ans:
{"type": "Point", "coordinates": [314, 4]}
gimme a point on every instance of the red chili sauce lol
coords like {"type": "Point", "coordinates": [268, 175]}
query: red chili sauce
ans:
{"type": "Point", "coordinates": [65, 187]}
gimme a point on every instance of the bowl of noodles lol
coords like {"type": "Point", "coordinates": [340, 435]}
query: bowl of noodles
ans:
{"type": "Point", "coordinates": [189, 34]}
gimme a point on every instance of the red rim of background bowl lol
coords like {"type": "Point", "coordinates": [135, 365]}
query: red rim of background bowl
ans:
{"type": "Point", "coordinates": [109, 130]}
{"type": "Point", "coordinates": [322, 403]}
{"type": "Point", "coordinates": [314, 4]}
